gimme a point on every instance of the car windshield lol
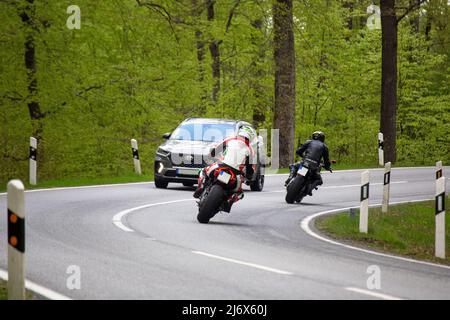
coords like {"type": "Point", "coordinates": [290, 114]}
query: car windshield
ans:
{"type": "Point", "coordinates": [209, 132]}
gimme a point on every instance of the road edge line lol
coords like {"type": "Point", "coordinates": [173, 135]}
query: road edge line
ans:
{"type": "Point", "coordinates": [117, 218]}
{"type": "Point", "coordinates": [359, 170]}
{"type": "Point", "coordinates": [305, 222]}
{"type": "Point", "coordinates": [244, 263]}
{"type": "Point", "coordinates": [152, 182]}
{"type": "Point", "coordinates": [373, 293]}
{"type": "Point", "coordinates": [38, 289]}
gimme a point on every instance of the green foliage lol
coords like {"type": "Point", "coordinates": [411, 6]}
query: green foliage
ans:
{"type": "Point", "coordinates": [132, 71]}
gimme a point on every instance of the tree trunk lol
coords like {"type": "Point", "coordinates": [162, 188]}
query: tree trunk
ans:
{"type": "Point", "coordinates": [350, 6]}
{"type": "Point", "coordinates": [284, 56]}
{"type": "Point", "coordinates": [388, 112]}
{"type": "Point", "coordinates": [428, 29]}
{"type": "Point", "coordinates": [197, 9]}
{"type": "Point", "coordinates": [259, 109]}
{"type": "Point", "coordinates": [200, 44]}
{"type": "Point", "coordinates": [27, 17]}
{"type": "Point", "coordinates": [215, 55]}
{"type": "Point", "coordinates": [414, 21]}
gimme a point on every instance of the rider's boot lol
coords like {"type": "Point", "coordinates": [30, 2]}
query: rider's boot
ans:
{"type": "Point", "coordinates": [227, 206]}
{"type": "Point", "coordinates": [198, 192]}
{"type": "Point", "coordinates": [291, 175]}
{"type": "Point", "coordinates": [314, 186]}
{"type": "Point", "coordinates": [229, 203]}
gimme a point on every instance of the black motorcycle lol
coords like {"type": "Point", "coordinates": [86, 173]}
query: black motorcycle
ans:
{"type": "Point", "coordinates": [300, 185]}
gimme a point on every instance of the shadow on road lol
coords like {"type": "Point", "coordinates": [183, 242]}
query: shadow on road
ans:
{"type": "Point", "coordinates": [308, 204]}
{"type": "Point", "coordinates": [230, 224]}
{"type": "Point", "coordinates": [190, 189]}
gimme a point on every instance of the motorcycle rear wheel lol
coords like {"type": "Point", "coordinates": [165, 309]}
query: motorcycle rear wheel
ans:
{"type": "Point", "coordinates": [294, 188]}
{"type": "Point", "coordinates": [211, 204]}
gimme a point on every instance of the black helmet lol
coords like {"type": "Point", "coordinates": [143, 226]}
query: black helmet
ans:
{"type": "Point", "coordinates": [318, 135]}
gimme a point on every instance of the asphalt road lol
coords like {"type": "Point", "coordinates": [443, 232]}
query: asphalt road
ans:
{"type": "Point", "coordinates": [258, 251]}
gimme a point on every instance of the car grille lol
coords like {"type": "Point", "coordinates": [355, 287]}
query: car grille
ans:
{"type": "Point", "coordinates": [192, 165]}
{"type": "Point", "coordinates": [190, 161]}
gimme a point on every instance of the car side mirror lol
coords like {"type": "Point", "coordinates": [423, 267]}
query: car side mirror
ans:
{"type": "Point", "coordinates": [166, 135]}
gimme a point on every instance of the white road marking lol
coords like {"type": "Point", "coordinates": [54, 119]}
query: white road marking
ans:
{"type": "Point", "coordinates": [344, 186]}
{"type": "Point", "coordinates": [85, 187]}
{"type": "Point", "coordinates": [151, 182]}
{"type": "Point", "coordinates": [50, 294]}
{"type": "Point", "coordinates": [373, 293]}
{"type": "Point", "coordinates": [40, 290]}
{"type": "Point", "coordinates": [359, 185]}
{"type": "Point", "coordinates": [120, 225]}
{"type": "Point", "coordinates": [117, 219]}
{"type": "Point", "coordinates": [248, 264]}
{"type": "Point", "coordinates": [306, 222]}
{"type": "Point", "coordinates": [355, 170]}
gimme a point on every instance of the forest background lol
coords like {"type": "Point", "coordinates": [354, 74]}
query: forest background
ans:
{"type": "Point", "coordinates": [135, 69]}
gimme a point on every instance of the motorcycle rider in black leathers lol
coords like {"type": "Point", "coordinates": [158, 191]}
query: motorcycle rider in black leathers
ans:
{"type": "Point", "coordinates": [312, 152]}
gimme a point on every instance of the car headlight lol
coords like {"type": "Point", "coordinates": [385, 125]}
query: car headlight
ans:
{"type": "Point", "coordinates": [163, 152]}
{"type": "Point", "coordinates": [160, 167]}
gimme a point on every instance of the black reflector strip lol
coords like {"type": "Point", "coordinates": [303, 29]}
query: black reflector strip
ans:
{"type": "Point", "coordinates": [440, 203]}
{"type": "Point", "coordinates": [135, 153]}
{"type": "Point", "coordinates": [365, 192]}
{"type": "Point", "coordinates": [387, 178]}
{"type": "Point", "coordinates": [16, 231]}
{"type": "Point", "coordinates": [439, 174]}
{"type": "Point", "coordinates": [33, 153]}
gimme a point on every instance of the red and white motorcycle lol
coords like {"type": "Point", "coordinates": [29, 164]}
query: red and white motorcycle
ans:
{"type": "Point", "coordinates": [222, 187]}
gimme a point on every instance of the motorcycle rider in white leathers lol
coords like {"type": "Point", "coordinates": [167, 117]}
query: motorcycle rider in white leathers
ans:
{"type": "Point", "coordinates": [237, 154]}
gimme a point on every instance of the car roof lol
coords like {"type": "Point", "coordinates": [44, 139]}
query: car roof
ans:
{"type": "Point", "coordinates": [214, 120]}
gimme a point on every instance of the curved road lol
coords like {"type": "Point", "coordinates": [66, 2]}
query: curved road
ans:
{"type": "Point", "coordinates": [258, 251]}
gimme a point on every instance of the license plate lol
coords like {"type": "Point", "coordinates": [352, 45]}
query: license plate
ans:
{"type": "Point", "coordinates": [303, 171]}
{"type": "Point", "coordinates": [224, 177]}
{"type": "Point", "coordinates": [188, 172]}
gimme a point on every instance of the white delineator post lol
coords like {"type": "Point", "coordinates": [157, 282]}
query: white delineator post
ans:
{"type": "Point", "coordinates": [262, 146]}
{"type": "Point", "coordinates": [439, 169]}
{"type": "Point", "coordinates": [386, 187]}
{"type": "Point", "coordinates": [380, 149]}
{"type": "Point", "coordinates": [364, 207]}
{"type": "Point", "coordinates": [275, 149]}
{"type": "Point", "coordinates": [137, 162]}
{"type": "Point", "coordinates": [440, 218]}
{"type": "Point", "coordinates": [16, 240]}
{"type": "Point", "coordinates": [262, 150]}
{"type": "Point", "coordinates": [33, 160]}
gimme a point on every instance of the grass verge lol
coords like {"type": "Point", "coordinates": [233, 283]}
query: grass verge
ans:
{"type": "Point", "coordinates": [85, 181]}
{"type": "Point", "coordinates": [4, 292]}
{"type": "Point", "coordinates": [407, 230]}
